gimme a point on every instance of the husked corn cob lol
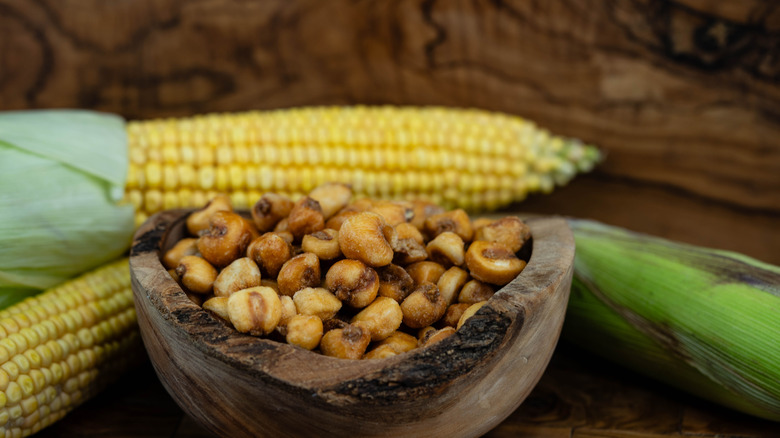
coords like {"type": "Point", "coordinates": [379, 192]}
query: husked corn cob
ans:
{"type": "Point", "coordinates": [471, 159]}
{"type": "Point", "coordinates": [59, 348]}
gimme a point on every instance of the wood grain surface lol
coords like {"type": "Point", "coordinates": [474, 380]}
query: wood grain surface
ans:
{"type": "Point", "coordinates": [683, 96]}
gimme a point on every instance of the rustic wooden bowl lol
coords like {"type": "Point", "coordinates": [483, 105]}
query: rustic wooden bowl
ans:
{"type": "Point", "coordinates": [241, 386]}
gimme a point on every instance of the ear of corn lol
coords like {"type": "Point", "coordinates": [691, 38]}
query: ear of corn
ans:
{"type": "Point", "coordinates": [62, 174]}
{"type": "Point", "coordinates": [471, 159]}
{"type": "Point", "coordinates": [59, 348]}
{"type": "Point", "coordinates": [705, 321]}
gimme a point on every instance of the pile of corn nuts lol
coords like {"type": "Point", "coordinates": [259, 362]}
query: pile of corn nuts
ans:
{"type": "Point", "coordinates": [353, 279]}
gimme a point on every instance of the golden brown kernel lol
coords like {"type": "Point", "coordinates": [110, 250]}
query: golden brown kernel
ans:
{"type": "Point", "coordinates": [381, 352]}
{"type": "Point", "coordinates": [394, 282]}
{"type": "Point", "coordinates": [269, 210]}
{"type": "Point", "coordinates": [425, 272]}
{"type": "Point", "coordinates": [382, 317]}
{"type": "Point", "coordinates": [324, 244]}
{"type": "Point", "coordinates": [305, 218]}
{"type": "Point", "coordinates": [184, 247]}
{"type": "Point", "coordinates": [196, 274]}
{"type": "Point", "coordinates": [423, 306]}
{"type": "Point", "coordinates": [174, 275]}
{"type": "Point", "coordinates": [347, 343]}
{"type": "Point", "coordinates": [286, 236]}
{"type": "Point", "coordinates": [469, 312]}
{"type": "Point", "coordinates": [424, 333]}
{"type": "Point", "coordinates": [254, 234]}
{"type": "Point", "coordinates": [218, 305]}
{"type": "Point", "coordinates": [446, 249]}
{"type": "Point", "coordinates": [365, 237]}
{"type": "Point", "coordinates": [225, 240]}
{"type": "Point", "coordinates": [353, 282]}
{"type": "Point", "coordinates": [400, 342]}
{"type": "Point", "coordinates": [317, 301]}
{"type": "Point", "coordinates": [393, 212]}
{"type": "Point", "coordinates": [493, 262]}
{"type": "Point", "coordinates": [456, 221]}
{"type": "Point", "coordinates": [360, 205]}
{"type": "Point", "coordinates": [479, 223]}
{"type": "Point", "coordinates": [334, 323]}
{"type": "Point", "coordinates": [198, 221]}
{"type": "Point", "coordinates": [475, 291]}
{"type": "Point", "coordinates": [332, 197]}
{"type": "Point", "coordinates": [422, 210]}
{"type": "Point", "coordinates": [270, 251]}
{"type": "Point", "coordinates": [299, 272]}
{"type": "Point", "coordinates": [241, 274]}
{"type": "Point", "coordinates": [408, 251]}
{"type": "Point", "coordinates": [453, 314]}
{"type": "Point", "coordinates": [509, 231]}
{"type": "Point", "coordinates": [195, 298]}
{"type": "Point", "coordinates": [256, 310]}
{"type": "Point", "coordinates": [409, 231]}
{"type": "Point", "coordinates": [288, 310]}
{"type": "Point", "coordinates": [337, 220]}
{"type": "Point", "coordinates": [436, 336]}
{"type": "Point", "coordinates": [451, 282]}
{"type": "Point", "coordinates": [270, 283]}
{"type": "Point", "coordinates": [283, 226]}
{"type": "Point", "coordinates": [304, 331]}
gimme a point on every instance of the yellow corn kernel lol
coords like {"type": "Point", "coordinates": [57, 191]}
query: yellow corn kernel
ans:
{"type": "Point", "coordinates": [38, 379]}
{"type": "Point", "coordinates": [14, 412]}
{"type": "Point", "coordinates": [11, 369]}
{"type": "Point", "coordinates": [9, 325]}
{"type": "Point", "coordinates": [14, 393]}
{"type": "Point", "coordinates": [27, 385]}
{"type": "Point", "coordinates": [153, 174]}
{"type": "Point", "coordinates": [29, 405]}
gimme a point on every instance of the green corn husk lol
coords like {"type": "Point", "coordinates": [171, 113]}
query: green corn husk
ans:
{"type": "Point", "coordinates": [702, 320]}
{"type": "Point", "coordinates": [62, 173]}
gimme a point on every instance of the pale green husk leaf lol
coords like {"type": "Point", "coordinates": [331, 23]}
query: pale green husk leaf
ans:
{"type": "Point", "coordinates": [62, 173]}
{"type": "Point", "coordinates": [703, 320]}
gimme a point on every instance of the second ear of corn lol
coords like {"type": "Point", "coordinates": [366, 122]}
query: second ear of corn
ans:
{"type": "Point", "coordinates": [471, 159]}
{"type": "Point", "coordinates": [702, 320]}
{"type": "Point", "coordinates": [59, 348]}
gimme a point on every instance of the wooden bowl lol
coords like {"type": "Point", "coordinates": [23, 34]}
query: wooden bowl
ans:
{"type": "Point", "coordinates": [241, 386]}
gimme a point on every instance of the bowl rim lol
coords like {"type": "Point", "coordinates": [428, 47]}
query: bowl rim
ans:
{"type": "Point", "coordinates": [482, 336]}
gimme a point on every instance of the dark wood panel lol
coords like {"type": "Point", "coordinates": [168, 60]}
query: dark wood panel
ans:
{"type": "Point", "coordinates": [683, 96]}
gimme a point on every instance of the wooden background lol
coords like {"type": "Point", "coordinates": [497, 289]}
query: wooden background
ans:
{"type": "Point", "coordinates": [684, 96]}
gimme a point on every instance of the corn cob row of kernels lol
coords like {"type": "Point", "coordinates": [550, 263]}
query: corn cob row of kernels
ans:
{"type": "Point", "coordinates": [59, 348]}
{"type": "Point", "coordinates": [469, 159]}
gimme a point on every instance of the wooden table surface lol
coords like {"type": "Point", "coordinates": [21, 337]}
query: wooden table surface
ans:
{"type": "Point", "coordinates": [578, 396]}
{"type": "Point", "coordinates": [682, 95]}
